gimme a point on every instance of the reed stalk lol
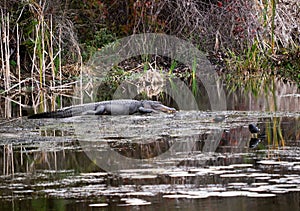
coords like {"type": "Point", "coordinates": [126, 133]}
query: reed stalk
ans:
{"type": "Point", "coordinates": [59, 62]}
{"type": "Point", "coordinates": [52, 65]}
{"type": "Point", "coordinates": [172, 67]}
{"type": "Point", "coordinates": [19, 69]}
{"type": "Point", "coordinates": [273, 5]}
{"type": "Point", "coordinates": [36, 32]}
{"type": "Point", "coordinates": [5, 51]}
{"type": "Point", "coordinates": [1, 44]}
{"type": "Point", "coordinates": [194, 78]}
{"type": "Point", "coordinates": [42, 61]}
{"type": "Point", "coordinates": [4, 159]}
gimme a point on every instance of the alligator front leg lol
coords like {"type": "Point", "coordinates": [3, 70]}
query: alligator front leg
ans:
{"type": "Point", "coordinates": [146, 110]}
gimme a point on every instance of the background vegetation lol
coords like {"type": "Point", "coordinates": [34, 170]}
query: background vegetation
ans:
{"type": "Point", "coordinates": [45, 43]}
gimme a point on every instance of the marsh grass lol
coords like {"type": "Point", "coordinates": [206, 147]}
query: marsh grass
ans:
{"type": "Point", "coordinates": [257, 84]}
{"type": "Point", "coordinates": [43, 86]}
{"type": "Point", "coordinates": [173, 66]}
{"type": "Point", "coordinates": [194, 77]}
{"type": "Point", "coordinates": [266, 53]}
{"type": "Point", "coordinates": [5, 58]}
{"type": "Point", "coordinates": [252, 60]}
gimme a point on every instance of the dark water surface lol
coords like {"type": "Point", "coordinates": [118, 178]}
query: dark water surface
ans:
{"type": "Point", "coordinates": [191, 160]}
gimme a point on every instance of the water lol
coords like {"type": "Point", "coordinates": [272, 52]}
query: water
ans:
{"type": "Point", "coordinates": [190, 160]}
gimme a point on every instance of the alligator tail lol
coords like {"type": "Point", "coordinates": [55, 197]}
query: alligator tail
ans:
{"type": "Point", "coordinates": [52, 114]}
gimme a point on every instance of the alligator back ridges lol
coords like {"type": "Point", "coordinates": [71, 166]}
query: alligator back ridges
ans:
{"type": "Point", "coordinates": [65, 112]}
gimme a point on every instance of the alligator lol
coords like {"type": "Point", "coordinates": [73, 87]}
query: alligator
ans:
{"type": "Point", "coordinates": [112, 107]}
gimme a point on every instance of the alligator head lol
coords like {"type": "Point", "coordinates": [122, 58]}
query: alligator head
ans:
{"type": "Point", "coordinates": [157, 106]}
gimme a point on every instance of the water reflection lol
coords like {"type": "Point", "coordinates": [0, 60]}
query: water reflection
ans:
{"type": "Point", "coordinates": [254, 142]}
{"type": "Point", "coordinates": [49, 167]}
{"type": "Point", "coordinates": [275, 96]}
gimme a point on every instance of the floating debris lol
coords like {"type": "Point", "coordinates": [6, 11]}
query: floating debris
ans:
{"type": "Point", "coordinates": [272, 162]}
{"type": "Point", "coordinates": [98, 205]}
{"type": "Point", "coordinates": [134, 202]}
{"type": "Point", "coordinates": [242, 165]}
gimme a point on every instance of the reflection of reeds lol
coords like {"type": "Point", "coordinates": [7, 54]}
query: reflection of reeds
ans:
{"type": "Point", "coordinates": [21, 163]}
{"type": "Point", "coordinates": [274, 133]}
{"type": "Point", "coordinates": [52, 156]}
{"type": "Point", "coordinates": [8, 159]}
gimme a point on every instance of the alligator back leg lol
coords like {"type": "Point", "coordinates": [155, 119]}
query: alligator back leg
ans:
{"type": "Point", "coordinates": [99, 111]}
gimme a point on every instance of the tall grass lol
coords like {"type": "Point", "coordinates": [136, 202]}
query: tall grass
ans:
{"type": "Point", "coordinates": [194, 78]}
{"type": "Point", "coordinates": [172, 67]}
{"type": "Point", "coordinates": [45, 43]}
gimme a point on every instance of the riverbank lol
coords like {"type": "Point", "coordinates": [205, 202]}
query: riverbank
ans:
{"type": "Point", "coordinates": [45, 46]}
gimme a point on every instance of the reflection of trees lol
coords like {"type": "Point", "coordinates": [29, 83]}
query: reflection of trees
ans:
{"type": "Point", "coordinates": [142, 150]}
{"type": "Point", "coordinates": [234, 140]}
